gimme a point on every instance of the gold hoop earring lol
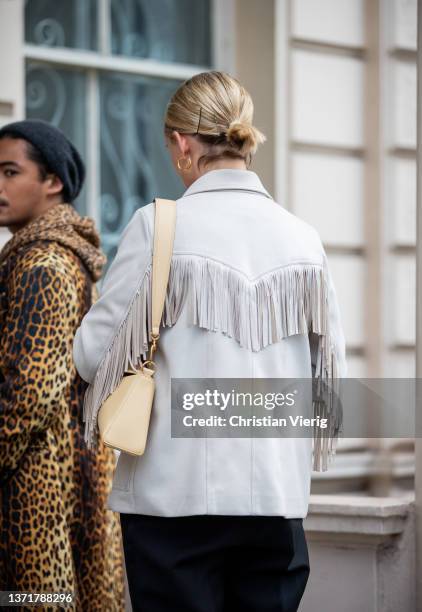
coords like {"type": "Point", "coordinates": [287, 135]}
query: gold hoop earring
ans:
{"type": "Point", "coordinates": [188, 165]}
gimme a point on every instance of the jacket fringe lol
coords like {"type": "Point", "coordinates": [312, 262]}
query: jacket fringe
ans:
{"type": "Point", "coordinates": [286, 301]}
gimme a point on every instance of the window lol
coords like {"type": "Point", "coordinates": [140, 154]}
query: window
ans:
{"type": "Point", "coordinates": [103, 71]}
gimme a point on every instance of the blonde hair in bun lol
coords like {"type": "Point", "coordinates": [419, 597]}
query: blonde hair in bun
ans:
{"type": "Point", "coordinates": [244, 136]}
{"type": "Point", "coordinates": [215, 107]}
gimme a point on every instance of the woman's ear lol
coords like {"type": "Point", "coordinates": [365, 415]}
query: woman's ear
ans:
{"type": "Point", "coordinates": [182, 143]}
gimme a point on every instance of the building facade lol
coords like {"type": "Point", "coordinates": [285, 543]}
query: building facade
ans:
{"type": "Point", "coordinates": [334, 85]}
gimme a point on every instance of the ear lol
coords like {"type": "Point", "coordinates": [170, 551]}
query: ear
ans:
{"type": "Point", "coordinates": [54, 184]}
{"type": "Point", "coordinates": [181, 142]}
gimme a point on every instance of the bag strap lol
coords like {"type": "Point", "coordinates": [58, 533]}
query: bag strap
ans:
{"type": "Point", "coordinates": [164, 229]}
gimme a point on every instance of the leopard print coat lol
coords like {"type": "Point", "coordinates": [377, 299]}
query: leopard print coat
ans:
{"type": "Point", "coordinates": [55, 531]}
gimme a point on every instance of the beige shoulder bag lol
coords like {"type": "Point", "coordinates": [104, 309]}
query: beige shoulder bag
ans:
{"type": "Point", "coordinates": [123, 419]}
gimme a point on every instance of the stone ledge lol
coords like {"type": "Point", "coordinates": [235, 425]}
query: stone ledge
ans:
{"type": "Point", "coordinates": [358, 463]}
{"type": "Point", "coordinates": [365, 519]}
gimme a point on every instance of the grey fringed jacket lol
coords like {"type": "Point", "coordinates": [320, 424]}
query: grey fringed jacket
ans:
{"type": "Point", "coordinates": [249, 296]}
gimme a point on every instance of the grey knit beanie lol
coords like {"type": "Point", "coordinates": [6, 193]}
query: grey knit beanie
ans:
{"type": "Point", "coordinates": [60, 156]}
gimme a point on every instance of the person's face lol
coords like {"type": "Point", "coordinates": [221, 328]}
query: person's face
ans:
{"type": "Point", "coordinates": [24, 195]}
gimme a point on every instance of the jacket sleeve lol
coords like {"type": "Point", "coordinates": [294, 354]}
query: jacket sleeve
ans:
{"type": "Point", "coordinates": [328, 357]}
{"type": "Point", "coordinates": [36, 358]}
{"type": "Point", "coordinates": [334, 328]}
{"type": "Point", "coordinates": [124, 276]}
{"type": "Point", "coordinates": [335, 325]}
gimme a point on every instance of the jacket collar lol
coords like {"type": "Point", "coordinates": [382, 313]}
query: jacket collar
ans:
{"type": "Point", "coordinates": [63, 225]}
{"type": "Point", "coordinates": [227, 180]}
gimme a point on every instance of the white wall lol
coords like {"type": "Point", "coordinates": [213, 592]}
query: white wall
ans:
{"type": "Point", "coordinates": [321, 99]}
{"type": "Point", "coordinates": [11, 67]}
{"type": "Point", "coordinates": [399, 185]}
{"type": "Point", "coordinates": [346, 99]}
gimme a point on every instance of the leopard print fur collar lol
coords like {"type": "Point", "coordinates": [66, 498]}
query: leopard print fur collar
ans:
{"type": "Point", "coordinates": [61, 224]}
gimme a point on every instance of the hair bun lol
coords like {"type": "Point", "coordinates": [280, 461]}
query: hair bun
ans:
{"type": "Point", "coordinates": [219, 111]}
{"type": "Point", "coordinates": [244, 137]}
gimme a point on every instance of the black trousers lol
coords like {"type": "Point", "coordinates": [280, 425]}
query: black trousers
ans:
{"type": "Point", "coordinates": [215, 563]}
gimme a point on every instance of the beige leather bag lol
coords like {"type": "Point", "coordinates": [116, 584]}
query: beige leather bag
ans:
{"type": "Point", "coordinates": [123, 419]}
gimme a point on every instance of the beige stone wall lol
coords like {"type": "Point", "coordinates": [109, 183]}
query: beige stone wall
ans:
{"type": "Point", "coordinates": [11, 67]}
{"type": "Point", "coordinates": [11, 60]}
{"type": "Point", "coordinates": [254, 60]}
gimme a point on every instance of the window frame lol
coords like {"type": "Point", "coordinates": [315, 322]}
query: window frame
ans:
{"type": "Point", "coordinates": [93, 63]}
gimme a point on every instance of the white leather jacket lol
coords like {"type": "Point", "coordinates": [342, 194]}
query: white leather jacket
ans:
{"type": "Point", "coordinates": [249, 296]}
